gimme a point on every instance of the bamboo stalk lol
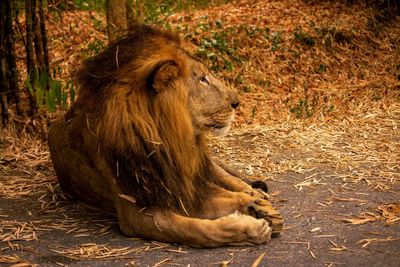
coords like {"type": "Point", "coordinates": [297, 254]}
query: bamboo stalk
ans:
{"type": "Point", "coordinates": [13, 94]}
{"type": "Point", "coordinates": [44, 37]}
{"type": "Point", "coordinates": [30, 63]}
{"type": "Point", "coordinates": [37, 37]}
{"type": "Point", "coordinates": [3, 64]}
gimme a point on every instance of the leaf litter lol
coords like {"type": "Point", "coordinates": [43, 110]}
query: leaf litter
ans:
{"type": "Point", "coordinates": [328, 111]}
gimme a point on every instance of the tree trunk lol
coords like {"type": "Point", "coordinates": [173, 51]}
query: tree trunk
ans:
{"type": "Point", "coordinates": [132, 17]}
{"type": "Point", "coordinates": [44, 37]}
{"type": "Point", "coordinates": [13, 95]}
{"type": "Point", "coordinates": [37, 37]}
{"type": "Point", "coordinates": [8, 73]}
{"type": "Point", "coordinates": [30, 63]}
{"type": "Point", "coordinates": [3, 64]}
{"type": "Point", "coordinates": [116, 19]}
{"type": "Point", "coordinates": [40, 41]}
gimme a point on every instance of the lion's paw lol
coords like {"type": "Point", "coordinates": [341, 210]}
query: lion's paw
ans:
{"type": "Point", "coordinates": [247, 229]}
{"type": "Point", "coordinates": [262, 209]}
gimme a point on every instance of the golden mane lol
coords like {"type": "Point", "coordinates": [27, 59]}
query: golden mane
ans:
{"type": "Point", "coordinates": [136, 89]}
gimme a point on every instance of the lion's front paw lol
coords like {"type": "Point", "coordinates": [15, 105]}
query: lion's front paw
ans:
{"type": "Point", "coordinates": [262, 209]}
{"type": "Point", "coordinates": [243, 229]}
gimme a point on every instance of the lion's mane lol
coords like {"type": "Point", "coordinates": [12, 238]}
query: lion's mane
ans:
{"type": "Point", "coordinates": [135, 93]}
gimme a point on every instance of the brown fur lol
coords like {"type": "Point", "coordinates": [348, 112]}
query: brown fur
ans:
{"type": "Point", "coordinates": [134, 140]}
{"type": "Point", "coordinates": [143, 124]}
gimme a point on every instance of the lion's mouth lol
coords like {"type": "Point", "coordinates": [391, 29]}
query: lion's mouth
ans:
{"type": "Point", "coordinates": [219, 128]}
{"type": "Point", "coordinates": [216, 126]}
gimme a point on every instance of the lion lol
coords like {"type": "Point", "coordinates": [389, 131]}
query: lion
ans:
{"type": "Point", "coordinates": [133, 144]}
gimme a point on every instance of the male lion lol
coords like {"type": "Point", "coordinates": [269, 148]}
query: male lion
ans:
{"type": "Point", "coordinates": [133, 144]}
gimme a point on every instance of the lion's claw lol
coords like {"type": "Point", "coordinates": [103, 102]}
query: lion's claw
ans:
{"type": "Point", "coordinates": [262, 209]}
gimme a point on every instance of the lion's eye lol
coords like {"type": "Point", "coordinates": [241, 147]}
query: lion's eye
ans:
{"type": "Point", "coordinates": [204, 79]}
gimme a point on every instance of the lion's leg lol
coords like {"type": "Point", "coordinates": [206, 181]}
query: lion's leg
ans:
{"type": "Point", "coordinates": [167, 226]}
{"type": "Point", "coordinates": [225, 202]}
{"type": "Point", "coordinates": [234, 183]}
{"type": "Point", "coordinates": [230, 181]}
{"type": "Point", "coordinates": [76, 172]}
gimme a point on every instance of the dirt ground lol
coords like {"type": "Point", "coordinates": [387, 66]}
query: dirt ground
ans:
{"type": "Point", "coordinates": [329, 221]}
{"type": "Point", "coordinates": [319, 122]}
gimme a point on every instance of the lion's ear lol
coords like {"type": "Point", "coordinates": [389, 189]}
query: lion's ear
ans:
{"type": "Point", "coordinates": [165, 73]}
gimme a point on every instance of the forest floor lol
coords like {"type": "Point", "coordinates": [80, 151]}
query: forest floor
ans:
{"type": "Point", "coordinates": [319, 121]}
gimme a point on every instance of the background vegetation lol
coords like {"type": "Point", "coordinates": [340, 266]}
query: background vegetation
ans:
{"type": "Point", "coordinates": [319, 120]}
{"type": "Point", "coordinates": [30, 92]}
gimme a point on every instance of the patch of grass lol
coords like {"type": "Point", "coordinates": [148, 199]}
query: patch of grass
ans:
{"type": "Point", "coordinates": [265, 83]}
{"type": "Point", "coordinates": [321, 68]}
{"type": "Point", "coordinates": [301, 109]}
{"type": "Point", "coordinates": [155, 11]}
{"type": "Point", "coordinates": [219, 47]}
{"type": "Point", "coordinates": [304, 37]}
{"type": "Point", "coordinates": [254, 112]}
{"type": "Point", "coordinates": [252, 31]}
{"type": "Point", "coordinates": [97, 24]}
{"type": "Point", "coordinates": [304, 108]}
{"type": "Point", "coordinates": [94, 48]}
{"type": "Point", "coordinates": [89, 4]}
{"type": "Point", "coordinates": [331, 35]}
{"type": "Point", "coordinates": [51, 92]}
{"type": "Point", "coordinates": [276, 40]}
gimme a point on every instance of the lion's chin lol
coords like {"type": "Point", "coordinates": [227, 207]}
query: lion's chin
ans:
{"type": "Point", "coordinates": [216, 127]}
{"type": "Point", "coordinates": [221, 131]}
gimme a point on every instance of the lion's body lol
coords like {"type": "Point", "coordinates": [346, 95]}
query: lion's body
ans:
{"type": "Point", "coordinates": [133, 144]}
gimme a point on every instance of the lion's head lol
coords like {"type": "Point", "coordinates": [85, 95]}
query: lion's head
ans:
{"type": "Point", "coordinates": [154, 61]}
{"type": "Point", "coordinates": [150, 101]}
{"type": "Point", "coordinates": [210, 103]}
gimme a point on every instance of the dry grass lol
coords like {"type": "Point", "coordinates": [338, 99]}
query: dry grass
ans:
{"type": "Point", "coordinates": [95, 251]}
{"type": "Point", "coordinates": [348, 130]}
{"type": "Point", "coordinates": [28, 160]}
{"type": "Point", "coordinates": [342, 72]}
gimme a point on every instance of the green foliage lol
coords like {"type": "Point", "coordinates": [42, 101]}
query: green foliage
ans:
{"type": "Point", "coordinates": [331, 35]}
{"type": "Point", "coordinates": [89, 4]}
{"type": "Point", "coordinates": [276, 40]}
{"type": "Point", "coordinates": [94, 48]}
{"type": "Point", "coordinates": [265, 83]}
{"type": "Point", "coordinates": [321, 68]}
{"type": "Point", "coordinates": [50, 92]}
{"type": "Point", "coordinates": [303, 37]}
{"type": "Point", "coordinates": [155, 11]}
{"type": "Point", "coordinates": [303, 109]}
{"type": "Point", "coordinates": [97, 24]}
{"type": "Point", "coordinates": [254, 112]}
{"type": "Point", "coordinates": [219, 47]}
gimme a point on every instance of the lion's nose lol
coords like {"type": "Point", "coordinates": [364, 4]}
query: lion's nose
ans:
{"type": "Point", "coordinates": [235, 104]}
